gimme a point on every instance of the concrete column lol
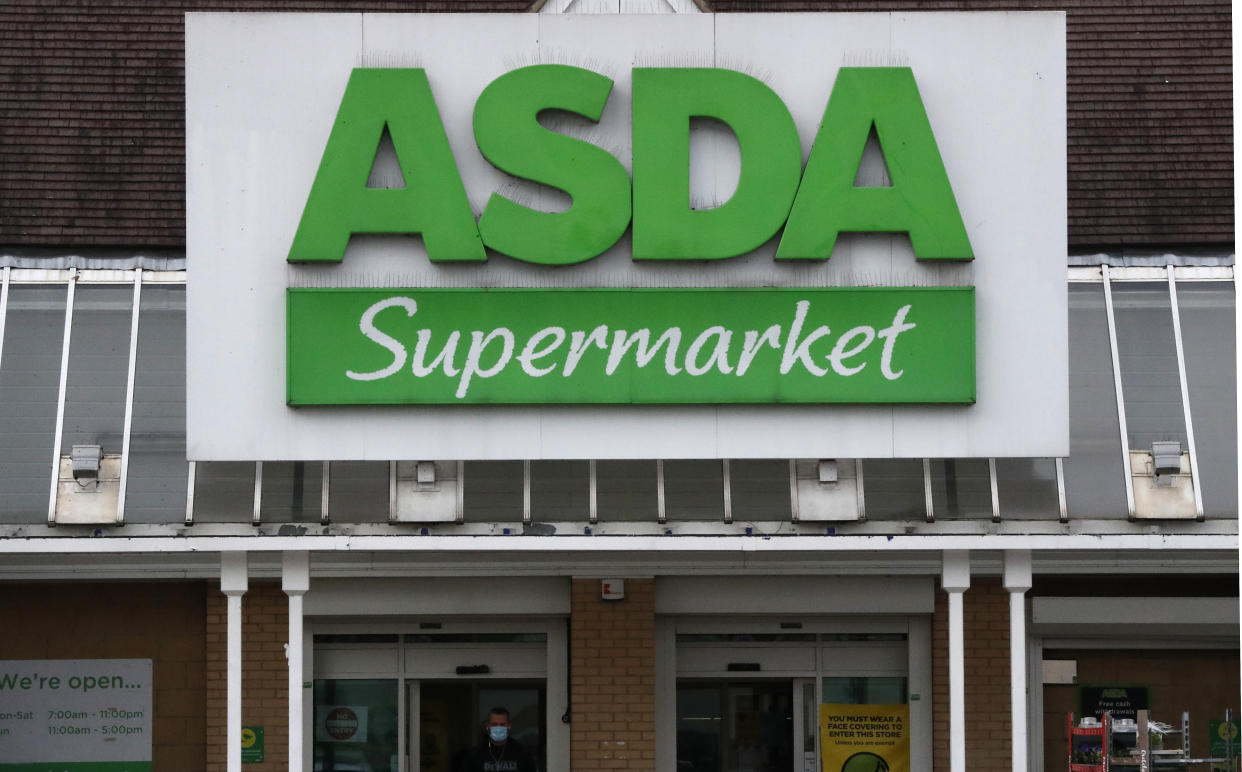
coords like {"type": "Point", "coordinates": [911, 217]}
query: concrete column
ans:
{"type": "Point", "coordinates": [234, 582]}
{"type": "Point", "coordinates": [295, 581]}
{"type": "Point", "coordinates": [1017, 582]}
{"type": "Point", "coordinates": [955, 580]}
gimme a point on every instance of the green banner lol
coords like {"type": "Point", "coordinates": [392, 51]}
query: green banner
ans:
{"type": "Point", "coordinates": [618, 346]}
{"type": "Point", "coordinates": [79, 766]}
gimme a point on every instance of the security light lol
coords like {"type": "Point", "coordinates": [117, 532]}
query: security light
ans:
{"type": "Point", "coordinates": [1166, 457]}
{"type": "Point", "coordinates": [828, 470]}
{"type": "Point", "coordinates": [85, 461]}
{"type": "Point", "coordinates": [426, 472]}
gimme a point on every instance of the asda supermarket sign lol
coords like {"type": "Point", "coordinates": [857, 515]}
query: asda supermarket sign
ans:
{"type": "Point", "coordinates": [351, 346]}
{"type": "Point", "coordinates": [682, 236]}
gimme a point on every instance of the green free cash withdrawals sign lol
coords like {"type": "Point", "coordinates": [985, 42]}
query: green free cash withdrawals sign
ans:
{"type": "Point", "coordinates": [252, 744]}
{"type": "Point", "coordinates": [641, 346]}
{"type": "Point", "coordinates": [75, 715]}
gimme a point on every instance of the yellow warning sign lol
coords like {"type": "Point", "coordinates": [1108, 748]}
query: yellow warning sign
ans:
{"type": "Point", "coordinates": [865, 738]}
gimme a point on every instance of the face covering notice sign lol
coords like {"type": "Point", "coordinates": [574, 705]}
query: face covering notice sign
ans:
{"type": "Point", "coordinates": [75, 715]}
{"type": "Point", "coordinates": [865, 738]}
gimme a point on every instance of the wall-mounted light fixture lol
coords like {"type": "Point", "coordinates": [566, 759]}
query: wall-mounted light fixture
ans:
{"type": "Point", "coordinates": [85, 460]}
{"type": "Point", "coordinates": [1166, 457]}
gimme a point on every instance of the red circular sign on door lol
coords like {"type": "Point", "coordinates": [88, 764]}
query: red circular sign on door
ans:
{"type": "Point", "coordinates": [341, 723]}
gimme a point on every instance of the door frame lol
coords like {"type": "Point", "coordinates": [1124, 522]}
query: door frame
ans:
{"type": "Point", "coordinates": [916, 627]}
{"type": "Point", "coordinates": [556, 670]}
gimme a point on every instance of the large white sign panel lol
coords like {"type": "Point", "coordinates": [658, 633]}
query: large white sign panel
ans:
{"type": "Point", "coordinates": [262, 93]}
{"type": "Point", "coordinates": [91, 713]}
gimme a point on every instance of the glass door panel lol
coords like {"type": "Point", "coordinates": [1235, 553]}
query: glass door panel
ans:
{"type": "Point", "coordinates": [450, 715]}
{"type": "Point", "coordinates": [735, 726]}
{"type": "Point", "coordinates": [356, 725]}
{"type": "Point", "coordinates": [865, 690]}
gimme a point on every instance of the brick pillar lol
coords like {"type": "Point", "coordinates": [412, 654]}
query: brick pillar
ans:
{"type": "Point", "coordinates": [265, 677]}
{"type": "Point", "coordinates": [613, 683]}
{"type": "Point", "coordinates": [988, 731]}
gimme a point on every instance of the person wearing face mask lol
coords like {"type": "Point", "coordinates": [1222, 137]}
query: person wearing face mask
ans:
{"type": "Point", "coordinates": [498, 752]}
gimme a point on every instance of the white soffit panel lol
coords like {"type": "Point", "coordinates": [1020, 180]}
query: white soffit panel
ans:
{"type": "Point", "coordinates": [438, 596]}
{"type": "Point", "coordinates": [1125, 611]}
{"type": "Point", "coordinates": [794, 595]}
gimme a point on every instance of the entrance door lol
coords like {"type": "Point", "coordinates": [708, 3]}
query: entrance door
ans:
{"type": "Point", "coordinates": [446, 719]}
{"type": "Point", "coordinates": [414, 700]}
{"type": "Point", "coordinates": [735, 726]}
{"type": "Point", "coordinates": [749, 693]}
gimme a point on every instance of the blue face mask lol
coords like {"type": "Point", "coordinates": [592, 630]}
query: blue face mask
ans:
{"type": "Point", "coordinates": [498, 733]}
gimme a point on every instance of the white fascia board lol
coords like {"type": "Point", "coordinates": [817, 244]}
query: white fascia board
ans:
{"type": "Point", "coordinates": [464, 563]}
{"type": "Point", "coordinates": [619, 544]}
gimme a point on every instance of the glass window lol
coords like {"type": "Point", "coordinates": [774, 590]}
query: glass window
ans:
{"type": "Point", "coordinates": [355, 638]}
{"type": "Point", "coordinates": [865, 690]}
{"type": "Point", "coordinates": [743, 637]}
{"type": "Point", "coordinates": [441, 638]}
{"type": "Point", "coordinates": [356, 725]}
{"type": "Point", "coordinates": [98, 367]}
{"type": "Point", "coordinates": [493, 492]}
{"type": "Point", "coordinates": [694, 490]}
{"type": "Point", "coordinates": [1148, 355]}
{"type": "Point", "coordinates": [961, 488]}
{"type": "Point", "coordinates": [224, 491]}
{"type": "Point", "coordinates": [292, 492]}
{"type": "Point", "coordinates": [358, 491]}
{"type": "Point", "coordinates": [1094, 480]}
{"type": "Point", "coordinates": [29, 380]}
{"type": "Point", "coordinates": [627, 490]}
{"type": "Point", "coordinates": [156, 487]}
{"type": "Point", "coordinates": [893, 489]}
{"type": "Point", "coordinates": [560, 490]}
{"type": "Point", "coordinates": [1027, 487]}
{"type": "Point", "coordinates": [1207, 314]}
{"type": "Point", "coordinates": [760, 489]}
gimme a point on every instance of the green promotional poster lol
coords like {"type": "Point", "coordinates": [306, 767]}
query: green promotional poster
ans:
{"type": "Point", "coordinates": [864, 738]}
{"type": "Point", "coordinates": [616, 346]}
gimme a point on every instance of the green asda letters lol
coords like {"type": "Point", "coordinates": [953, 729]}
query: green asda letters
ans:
{"type": "Point", "coordinates": [814, 205]}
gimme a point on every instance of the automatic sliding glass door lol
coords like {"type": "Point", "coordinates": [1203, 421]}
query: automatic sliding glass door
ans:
{"type": "Point", "coordinates": [735, 726]}
{"type": "Point", "coordinates": [447, 719]}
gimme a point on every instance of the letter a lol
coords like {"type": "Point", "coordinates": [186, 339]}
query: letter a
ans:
{"type": "Point", "coordinates": [433, 201]}
{"type": "Point", "coordinates": [920, 201]}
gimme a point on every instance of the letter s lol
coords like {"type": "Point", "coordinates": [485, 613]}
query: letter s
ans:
{"type": "Point", "coordinates": [367, 325]}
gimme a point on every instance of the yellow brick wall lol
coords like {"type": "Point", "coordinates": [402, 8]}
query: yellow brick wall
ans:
{"type": "Point", "coordinates": [613, 677]}
{"type": "Point", "coordinates": [265, 675]}
{"type": "Point", "coordinates": [160, 621]}
{"type": "Point", "coordinates": [985, 608]}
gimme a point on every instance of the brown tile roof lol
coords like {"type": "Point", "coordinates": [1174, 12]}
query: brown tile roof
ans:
{"type": "Point", "coordinates": [92, 131]}
{"type": "Point", "coordinates": [92, 128]}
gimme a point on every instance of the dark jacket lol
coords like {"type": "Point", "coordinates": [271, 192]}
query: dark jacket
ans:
{"type": "Point", "coordinates": [488, 757]}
